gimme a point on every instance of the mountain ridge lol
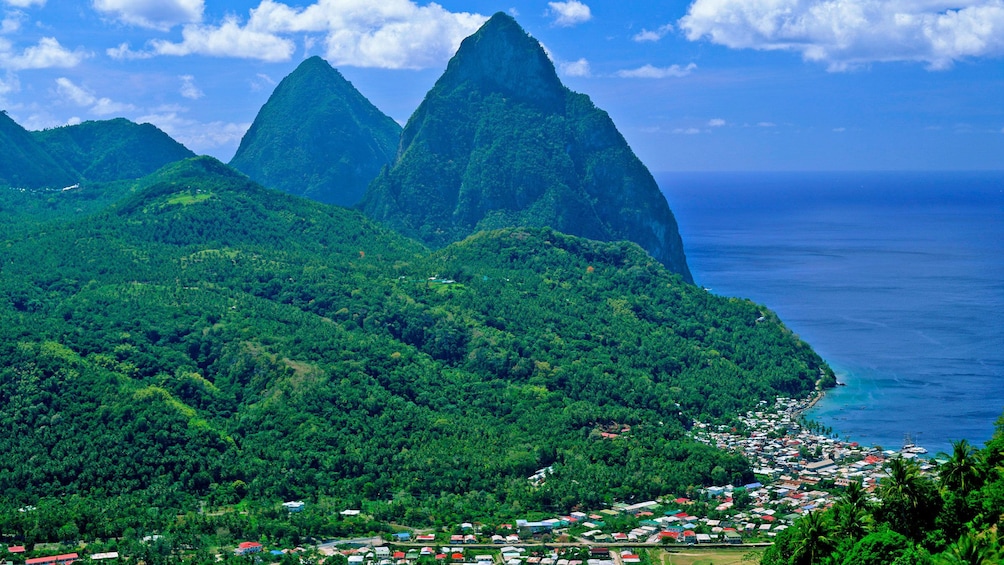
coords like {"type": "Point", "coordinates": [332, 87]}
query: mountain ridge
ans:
{"type": "Point", "coordinates": [499, 141]}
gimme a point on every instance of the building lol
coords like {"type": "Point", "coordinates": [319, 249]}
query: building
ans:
{"type": "Point", "coordinates": [64, 559]}
{"type": "Point", "coordinates": [247, 548]}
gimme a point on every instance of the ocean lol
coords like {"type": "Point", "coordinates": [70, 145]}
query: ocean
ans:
{"type": "Point", "coordinates": [896, 279]}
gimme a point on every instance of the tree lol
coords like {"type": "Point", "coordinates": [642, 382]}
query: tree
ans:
{"type": "Point", "coordinates": [815, 539]}
{"type": "Point", "coordinates": [963, 471]}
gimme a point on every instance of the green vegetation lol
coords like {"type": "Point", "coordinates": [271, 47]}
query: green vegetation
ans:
{"type": "Point", "coordinates": [318, 137]}
{"type": "Point", "coordinates": [25, 163]}
{"type": "Point", "coordinates": [500, 142]}
{"type": "Point", "coordinates": [205, 339]}
{"type": "Point", "coordinates": [112, 150]}
{"type": "Point", "coordinates": [914, 519]}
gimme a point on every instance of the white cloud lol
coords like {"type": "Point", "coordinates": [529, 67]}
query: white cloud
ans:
{"type": "Point", "coordinates": [12, 22]}
{"type": "Point", "coordinates": [198, 136]}
{"type": "Point", "coordinates": [656, 35]}
{"type": "Point", "coordinates": [24, 3]}
{"type": "Point", "coordinates": [766, 124]}
{"type": "Point", "coordinates": [716, 123]}
{"type": "Point", "coordinates": [578, 68]}
{"type": "Point", "coordinates": [846, 34]}
{"type": "Point", "coordinates": [261, 81]}
{"type": "Point", "coordinates": [189, 89]}
{"type": "Point", "coordinates": [84, 98]}
{"type": "Point", "coordinates": [388, 34]}
{"type": "Point", "coordinates": [8, 84]}
{"type": "Point", "coordinates": [839, 130]}
{"type": "Point", "coordinates": [570, 13]}
{"type": "Point", "coordinates": [687, 131]}
{"type": "Point", "coordinates": [155, 14]}
{"type": "Point", "coordinates": [648, 71]}
{"type": "Point", "coordinates": [47, 53]}
{"type": "Point", "coordinates": [227, 40]}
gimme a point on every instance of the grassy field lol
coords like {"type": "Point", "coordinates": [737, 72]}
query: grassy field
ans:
{"type": "Point", "coordinates": [707, 557]}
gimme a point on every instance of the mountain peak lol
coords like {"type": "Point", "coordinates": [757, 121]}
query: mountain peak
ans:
{"type": "Point", "coordinates": [502, 57]}
{"type": "Point", "coordinates": [318, 137]}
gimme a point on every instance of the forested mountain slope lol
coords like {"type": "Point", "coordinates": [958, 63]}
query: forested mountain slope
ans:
{"type": "Point", "coordinates": [24, 163]}
{"type": "Point", "coordinates": [318, 137]}
{"type": "Point", "coordinates": [500, 142]}
{"type": "Point", "coordinates": [206, 337]}
{"type": "Point", "coordinates": [109, 150]}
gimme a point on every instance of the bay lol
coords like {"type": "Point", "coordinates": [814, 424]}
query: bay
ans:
{"type": "Point", "coordinates": [895, 278]}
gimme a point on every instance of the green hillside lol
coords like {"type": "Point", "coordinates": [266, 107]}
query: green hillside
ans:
{"type": "Point", "coordinates": [318, 137]}
{"type": "Point", "coordinates": [500, 142]}
{"type": "Point", "coordinates": [24, 163]}
{"type": "Point", "coordinates": [206, 337]}
{"type": "Point", "coordinates": [103, 151]}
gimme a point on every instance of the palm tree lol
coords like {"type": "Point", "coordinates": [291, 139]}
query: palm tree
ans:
{"type": "Point", "coordinates": [963, 471]}
{"type": "Point", "coordinates": [852, 522]}
{"type": "Point", "coordinates": [815, 539]}
{"type": "Point", "coordinates": [903, 482]}
{"type": "Point", "coordinates": [855, 496]}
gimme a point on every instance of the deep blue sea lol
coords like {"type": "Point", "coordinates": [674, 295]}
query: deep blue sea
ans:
{"type": "Point", "coordinates": [896, 279]}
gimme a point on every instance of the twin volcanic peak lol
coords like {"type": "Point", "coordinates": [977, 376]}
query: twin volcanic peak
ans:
{"type": "Point", "coordinates": [500, 142]}
{"type": "Point", "coordinates": [318, 137]}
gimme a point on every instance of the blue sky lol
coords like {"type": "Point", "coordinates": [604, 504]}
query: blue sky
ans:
{"type": "Point", "coordinates": [692, 85]}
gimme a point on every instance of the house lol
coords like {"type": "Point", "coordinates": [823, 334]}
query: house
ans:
{"type": "Point", "coordinates": [733, 537]}
{"type": "Point", "coordinates": [15, 549]}
{"type": "Point", "coordinates": [64, 559]}
{"type": "Point", "coordinates": [246, 548]}
{"type": "Point", "coordinates": [404, 536]}
{"type": "Point", "coordinates": [104, 556]}
{"type": "Point", "coordinates": [294, 506]}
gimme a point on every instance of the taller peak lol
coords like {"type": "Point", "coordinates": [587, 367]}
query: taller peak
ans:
{"type": "Point", "coordinates": [502, 57]}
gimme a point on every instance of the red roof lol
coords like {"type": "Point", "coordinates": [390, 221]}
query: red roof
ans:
{"type": "Point", "coordinates": [64, 558]}
{"type": "Point", "coordinates": [768, 518]}
{"type": "Point", "coordinates": [247, 544]}
{"type": "Point", "coordinates": [399, 555]}
{"type": "Point", "coordinates": [15, 549]}
{"type": "Point", "coordinates": [682, 500]}
{"type": "Point", "coordinates": [457, 556]}
{"type": "Point", "coordinates": [673, 535]}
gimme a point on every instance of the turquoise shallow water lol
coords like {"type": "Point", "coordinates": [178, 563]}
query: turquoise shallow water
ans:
{"type": "Point", "coordinates": [896, 279]}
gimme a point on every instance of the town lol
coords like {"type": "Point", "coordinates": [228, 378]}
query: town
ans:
{"type": "Point", "coordinates": [798, 471]}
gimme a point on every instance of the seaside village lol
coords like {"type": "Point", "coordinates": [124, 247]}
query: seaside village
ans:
{"type": "Point", "coordinates": [798, 471]}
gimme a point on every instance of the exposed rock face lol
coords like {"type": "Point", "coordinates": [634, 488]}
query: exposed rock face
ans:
{"type": "Point", "coordinates": [500, 142]}
{"type": "Point", "coordinates": [318, 137]}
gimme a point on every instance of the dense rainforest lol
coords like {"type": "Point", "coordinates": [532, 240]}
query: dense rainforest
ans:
{"type": "Point", "coordinates": [202, 338]}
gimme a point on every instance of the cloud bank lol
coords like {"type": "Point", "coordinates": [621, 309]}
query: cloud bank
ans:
{"type": "Point", "coordinates": [845, 34]}
{"type": "Point", "coordinates": [154, 14]}
{"type": "Point", "coordinates": [393, 34]}
{"type": "Point", "coordinates": [649, 71]}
